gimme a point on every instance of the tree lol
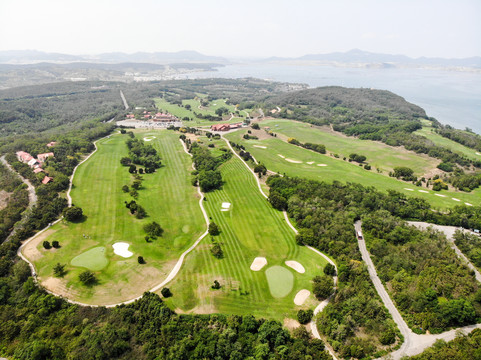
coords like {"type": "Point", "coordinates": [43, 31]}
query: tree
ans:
{"type": "Point", "coordinates": [132, 169]}
{"type": "Point", "coordinates": [153, 229]}
{"type": "Point", "coordinates": [55, 244]}
{"type": "Point", "coordinates": [255, 126]}
{"type": "Point", "coordinates": [140, 260]}
{"type": "Point", "coordinates": [125, 188]}
{"type": "Point", "coordinates": [213, 229]}
{"type": "Point", "coordinates": [59, 270]}
{"type": "Point", "coordinates": [261, 169]}
{"type": "Point", "coordinates": [322, 287]}
{"type": "Point", "coordinates": [216, 285]}
{"type": "Point", "coordinates": [166, 292]}
{"type": "Point", "coordinates": [330, 269]}
{"type": "Point", "coordinates": [73, 213]}
{"type": "Point", "coordinates": [277, 201]}
{"type": "Point", "coordinates": [209, 180]}
{"type": "Point", "coordinates": [87, 278]}
{"type": "Point", "coordinates": [134, 193]}
{"type": "Point", "coordinates": [47, 245]}
{"type": "Point", "coordinates": [126, 161]}
{"type": "Point", "coordinates": [140, 213]}
{"type": "Point", "coordinates": [216, 250]}
{"type": "Point", "coordinates": [304, 316]}
{"type": "Point", "coordinates": [137, 184]}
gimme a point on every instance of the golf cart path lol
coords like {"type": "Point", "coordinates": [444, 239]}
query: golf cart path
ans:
{"type": "Point", "coordinates": [169, 278]}
{"type": "Point", "coordinates": [324, 303]}
{"type": "Point", "coordinates": [449, 232]}
{"type": "Point", "coordinates": [413, 343]}
{"type": "Point", "coordinates": [32, 196]}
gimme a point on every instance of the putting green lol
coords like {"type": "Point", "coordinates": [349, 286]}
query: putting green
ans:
{"type": "Point", "coordinates": [280, 281]}
{"type": "Point", "coordinates": [93, 259]}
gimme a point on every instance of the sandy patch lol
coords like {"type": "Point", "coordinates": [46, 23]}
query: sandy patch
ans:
{"type": "Point", "coordinates": [258, 263]}
{"type": "Point", "coordinates": [30, 251]}
{"type": "Point", "coordinates": [455, 199]}
{"type": "Point", "coordinates": [296, 266]}
{"type": "Point", "coordinates": [424, 191]}
{"type": "Point", "coordinates": [225, 206]}
{"type": "Point", "coordinates": [468, 204]}
{"type": "Point", "coordinates": [301, 297]}
{"type": "Point", "coordinates": [260, 146]}
{"type": "Point", "coordinates": [149, 138]}
{"type": "Point", "coordinates": [59, 287]}
{"type": "Point", "coordinates": [282, 156]}
{"type": "Point", "coordinates": [408, 189]}
{"type": "Point", "coordinates": [122, 249]}
{"type": "Point", "coordinates": [4, 196]}
{"type": "Point", "coordinates": [441, 195]}
{"type": "Point", "coordinates": [310, 162]}
{"type": "Point", "coordinates": [321, 164]}
{"type": "Point", "coordinates": [291, 324]}
{"type": "Point", "coordinates": [294, 161]}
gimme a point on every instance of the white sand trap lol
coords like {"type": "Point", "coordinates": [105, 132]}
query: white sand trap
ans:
{"type": "Point", "coordinates": [478, 153]}
{"type": "Point", "coordinates": [468, 204]}
{"type": "Point", "coordinates": [294, 161]}
{"type": "Point", "coordinates": [441, 195]}
{"type": "Point", "coordinates": [301, 297]}
{"type": "Point", "coordinates": [408, 189]}
{"type": "Point", "coordinates": [424, 191]}
{"type": "Point", "coordinates": [321, 164]}
{"type": "Point", "coordinates": [455, 199]}
{"type": "Point", "coordinates": [282, 156]}
{"type": "Point", "coordinates": [260, 146]}
{"type": "Point", "coordinates": [310, 162]}
{"type": "Point", "coordinates": [258, 263]}
{"type": "Point", "coordinates": [296, 266]}
{"type": "Point", "coordinates": [226, 205]}
{"type": "Point", "coordinates": [224, 209]}
{"type": "Point", "coordinates": [150, 138]}
{"type": "Point", "coordinates": [122, 249]}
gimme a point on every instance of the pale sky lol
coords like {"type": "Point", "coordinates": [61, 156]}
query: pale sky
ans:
{"type": "Point", "coordinates": [244, 28]}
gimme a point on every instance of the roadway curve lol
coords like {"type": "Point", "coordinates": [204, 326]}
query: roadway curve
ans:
{"type": "Point", "coordinates": [322, 304]}
{"type": "Point", "coordinates": [413, 343]}
{"type": "Point", "coordinates": [175, 270]}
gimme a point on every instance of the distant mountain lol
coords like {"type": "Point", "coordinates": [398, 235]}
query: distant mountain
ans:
{"type": "Point", "coordinates": [33, 56]}
{"type": "Point", "coordinates": [365, 57]}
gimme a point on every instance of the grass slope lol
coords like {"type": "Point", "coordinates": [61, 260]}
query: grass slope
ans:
{"type": "Point", "coordinates": [168, 198]}
{"type": "Point", "coordinates": [339, 170]}
{"type": "Point", "coordinates": [379, 155]}
{"type": "Point", "coordinates": [251, 228]}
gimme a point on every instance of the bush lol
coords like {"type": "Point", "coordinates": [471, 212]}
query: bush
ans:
{"type": "Point", "coordinates": [330, 269]}
{"type": "Point", "coordinates": [153, 229]}
{"type": "Point", "coordinates": [46, 245]}
{"type": "Point", "coordinates": [141, 260]}
{"type": "Point", "coordinates": [447, 167]}
{"type": "Point", "coordinates": [166, 292]}
{"type": "Point", "coordinates": [304, 316]}
{"type": "Point", "coordinates": [216, 285]}
{"type": "Point", "coordinates": [126, 161]}
{"type": "Point", "coordinates": [55, 244]}
{"type": "Point", "coordinates": [73, 213]}
{"type": "Point", "coordinates": [213, 229]}
{"type": "Point", "coordinates": [255, 126]}
{"type": "Point", "coordinates": [216, 250]}
{"type": "Point", "coordinates": [87, 277]}
{"type": "Point", "coordinates": [125, 188]}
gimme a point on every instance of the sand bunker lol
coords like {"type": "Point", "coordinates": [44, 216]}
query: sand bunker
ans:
{"type": "Point", "coordinates": [258, 263]}
{"type": "Point", "coordinates": [149, 138]}
{"type": "Point", "coordinates": [260, 146]}
{"type": "Point", "coordinates": [122, 249]}
{"type": "Point", "coordinates": [455, 199]}
{"type": "Point", "coordinates": [441, 195]}
{"type": "Point", "coordinates": [408, 189]}
{"type": "Point", "coordinates": [296, 266]}
{"type": "Point", "coordinates": [301, 297]}
{"type": "Point", "coordinates": [294, 161]}
{"type": "Point", "coordinates": [225, 206]}
{"type": "Point", "coordinates": [478, 153]}
{"type": "Point", "coordinates": [310, 162]}
{"type": "Point", "coordinates": [282, 156]}
{"type": "Point", "coordinates": [321, 164]}
{"type": "Point", "coordinates": [424, 191]}
{"type": "Point", "coordinates": [468, 204]}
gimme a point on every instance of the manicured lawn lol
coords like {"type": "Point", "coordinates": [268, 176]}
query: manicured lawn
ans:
{"type": "Point", "coordinates": [167, 196]}
{"type": "Point", "coordinates": [93, 259]}
{"type": "Point", "coordinates": [250, 229]}
{"type": "Point", "coordinates": [343, 171]}
{"type": "Point", "coordinates": [379, 155]}
{"type": "Point", "coordinates": [429, 133]}
{"type": "Point", "coordinates": [280, 281]}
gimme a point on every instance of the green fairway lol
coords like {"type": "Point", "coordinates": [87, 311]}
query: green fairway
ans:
{"type": "Point", "coordinates": [337, 169]}
{"type": "Point", "coordinates": [250, 228]}
{"type": "Point", "coordinates": [93, 259]}
{"type": "Point", "coordinates": [379, 155]}
{"type": "Point", "coordinates": [168, 198]}
{"type": "Point", "coordinates": [437, 139]}
{"type": "Point", "coordinates": [280, 281]}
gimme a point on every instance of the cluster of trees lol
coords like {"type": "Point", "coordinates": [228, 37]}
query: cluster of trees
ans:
{"type": "Point", "coordinates": [142, 154]}
{"type": "Point", "coordinates": [136, 209]}
{"type": "Point", "coordinates": [465, 182]}
{"type": "Point", "coordinates": [403, 172]}
{"type": "Point", "coordinates": [466, 137]}
{"type": "Point", "coordinates": [470, 245]}
{"type": "Point", "coordinates": [429, 284]}
{"type": "Point", "coordinates": [206, 175]}
{"type": "Point", "coordinates": [314, 147]}
{"type": "Point", "coordinates": [357, 158]}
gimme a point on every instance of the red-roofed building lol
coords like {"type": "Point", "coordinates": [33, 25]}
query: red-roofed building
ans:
{"type": "Point", "coordinates": [46, 180]}
{"type": "Point", "coordinates": [24, 157]}
{"type": "Point", "coordinates": [235, 126]}
{"type": "Point", "coordinates": [50, 144]}
{"type": "Point", "coordinates": [37, 170]}
{"type": "Point", "coordinates": [164, 117]}
{"type": "Point", "coordinates": [43, 157]}
{"type": "Point", "coordinates": [130, 116]}
{"type": "Point", "coordinates": [146, 116]}
{"type": "Point", "coordinates": [220, 127]}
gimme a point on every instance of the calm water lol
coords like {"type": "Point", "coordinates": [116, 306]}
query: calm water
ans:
{"type": "Point", "coordinates": [453, 98]}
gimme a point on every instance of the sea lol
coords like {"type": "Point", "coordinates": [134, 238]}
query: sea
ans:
{"type": "Point", "coordinates": [452, 97]}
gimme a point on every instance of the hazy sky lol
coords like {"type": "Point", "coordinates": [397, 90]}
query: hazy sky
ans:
{"type": "Point", "coordinates": [247, 28]}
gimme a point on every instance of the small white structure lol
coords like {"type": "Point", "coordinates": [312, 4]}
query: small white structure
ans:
{"type": "Point", "coordinates": [122, 249]}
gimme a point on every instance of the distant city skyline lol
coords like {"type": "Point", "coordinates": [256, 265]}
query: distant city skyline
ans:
{"type": "Point", "coordinates": [261, 28]}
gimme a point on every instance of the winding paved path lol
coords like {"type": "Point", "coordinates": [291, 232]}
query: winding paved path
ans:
{"type": "Point", "coordinates": [124, 100]}
{"type": "Point", "coordinates": [413, 343]}
{"type": "Point", "coordinates": [169, 278]}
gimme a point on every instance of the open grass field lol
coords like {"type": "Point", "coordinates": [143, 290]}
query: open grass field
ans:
{"type": "Point", "coordinates": [428, 132]}
{"type": "Point", "coordinates": [296, 163]}
{"type": "Point", "coordinates": [167, 196]}
{"type": "Point", "coordinates": [250, 228]}
{"type": "Point", "coordinates": [379, 155]}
